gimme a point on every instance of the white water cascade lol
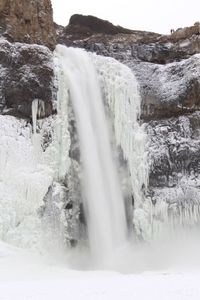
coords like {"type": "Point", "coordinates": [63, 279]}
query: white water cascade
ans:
{"type": "Point", "coordinates": [103, 201]}
{"type": "Point", "coordinates": [121, 91]}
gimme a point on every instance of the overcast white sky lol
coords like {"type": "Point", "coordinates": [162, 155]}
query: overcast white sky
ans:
{"type": "Point", "coordinates": [153, 15]}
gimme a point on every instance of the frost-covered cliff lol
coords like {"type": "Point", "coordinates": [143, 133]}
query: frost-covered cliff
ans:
{"type": "Point", "coordinates": [168, 72]}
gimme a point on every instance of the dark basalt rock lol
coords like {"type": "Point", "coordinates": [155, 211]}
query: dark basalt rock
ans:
{"type": "Point", "coordinates": [94, 25]}
{"type": "Point", "coordinates": [26, 74]}
{"type": "Point", "coordinates": [97, 31]}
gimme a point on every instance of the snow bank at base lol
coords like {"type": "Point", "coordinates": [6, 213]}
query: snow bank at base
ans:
{"type": "Point", "coordinates": [31, 278]}
{"type": "Point", "coordinates": [140, 287]}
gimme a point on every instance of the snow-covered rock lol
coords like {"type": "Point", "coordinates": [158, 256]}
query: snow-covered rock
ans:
{"type": "Point", "coordinates": [168, 90]}
{"type": "Point", "coordinates": [26, 74]}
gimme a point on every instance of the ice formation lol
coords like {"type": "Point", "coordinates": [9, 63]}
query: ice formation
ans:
{"type": "Point", "coordinates": [103, 201]}
{"type": "Point", "coordinates": [34, 168]}
{"type": "Point", "coordinates": [23, 184]}
{"type": "Point", "coordinates": [62, 135]}
{"type": "Point", "coordinates": [121, 92]}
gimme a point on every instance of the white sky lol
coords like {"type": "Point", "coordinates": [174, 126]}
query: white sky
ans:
{"type": "Point", "coordinates": [153, 15]}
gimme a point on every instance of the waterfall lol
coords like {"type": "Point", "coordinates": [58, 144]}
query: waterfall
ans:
{"type": "Point", "coordinates": [103, 203]}
{"type": "Point", "coordinates": [101, 96]}
{"type": "Point", "coordinates": [121, 91]}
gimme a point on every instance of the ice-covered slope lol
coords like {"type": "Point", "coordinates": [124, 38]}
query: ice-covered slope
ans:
{"type": "Point", "coordinates": [24, 182]}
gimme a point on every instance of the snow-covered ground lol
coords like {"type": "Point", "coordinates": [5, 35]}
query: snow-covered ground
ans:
{"type": "Point", "coordinates": [24, 276]}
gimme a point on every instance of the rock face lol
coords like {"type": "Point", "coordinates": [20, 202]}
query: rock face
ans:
{"type": "Point", "coordinates": [99, 35]}
{"type": "Point", "coordinates": [167, 68]}
{"type": "Point", "coordinates": [175, 149]}
{"type": "Point", "coordinates": [26, 74]}
{"type": "Point", "coordinates": [109, 40]}
{"type": "Point", "coordinates": [169, 90]}
{"type": "Point", "coordinates": [179, 45]}
{"type": "Point", "coordinates": [27, 21]}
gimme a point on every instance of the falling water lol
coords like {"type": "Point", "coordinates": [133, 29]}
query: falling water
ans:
{"type": "Point", "coordinates": [103, 201]}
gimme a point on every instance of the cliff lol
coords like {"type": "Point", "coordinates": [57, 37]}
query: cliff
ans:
{"type": "Point", "coordinates": [168, 71]}
{"type": "Point", "coordinates": [27, 21]}
{"type": "Point", "coordinates": [26, 69]}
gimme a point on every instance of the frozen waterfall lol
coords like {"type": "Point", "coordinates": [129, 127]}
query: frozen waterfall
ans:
{"type": "Point", "coordinates": [80, 84]}
{"type": "Point", "coordinates": [101, 96]}
{"type": "Point", "coordinates": [121, 93]}
{"type": "Point", "coordinates": [103, 203]}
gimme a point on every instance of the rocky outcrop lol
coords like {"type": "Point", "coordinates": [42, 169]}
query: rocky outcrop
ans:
{"type": "Point", "coordinates": [186, 32]}
{"type": "Point", "coordinates": [90, 25]}
{"type": "Point", "coordinates": [179, 45]}
{"type": "Point", "coordinates": [27, 21]}
{"type": "Point", "coordinates": [26, 74]}
{"type": "Point", "coordinates": [166, 66]}
{"type": "Point", "coordinates": [168, 90]}
{"type": "Point", "coordinates": [175, 149]}
{"type": "Point", "coordinates": [86, 32]}
{"type": "Point", "coordinates": [89, 31]}
{"type": "Point", "coordinates": [174, 175]}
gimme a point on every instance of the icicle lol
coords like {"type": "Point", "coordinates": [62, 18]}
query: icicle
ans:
{"type": "Point", "coordinates": [41, 108]}
{"type": "Point", "coordinates": [34, 115]}
{"type": "Point", "coordinates": [121, 92]}
{"type": "Point", "coordinates": [23, 185]}
{"type": "Point", "coordinates": [37, 107]}
{"type": "Point", "coordinates": [62, 135]}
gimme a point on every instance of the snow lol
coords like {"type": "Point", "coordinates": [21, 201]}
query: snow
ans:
{"type": "Point", "coordinates": [146, 287]}
{"type": "Point", "coordinates": [166, 86]}
{"type": "Point", "coordinates": [24, 276]}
